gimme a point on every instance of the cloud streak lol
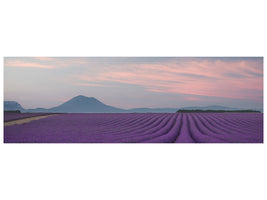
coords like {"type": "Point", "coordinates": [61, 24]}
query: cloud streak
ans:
{"type": "Point", "coordinates": [23, 64]}
{"type": "Point", "coordinates": [92, 84]}
{"type": "Point", "coordinates": [197, 77]}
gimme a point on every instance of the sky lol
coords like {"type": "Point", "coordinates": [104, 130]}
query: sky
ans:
{"type": "Point", "coordinates": [135, 82]}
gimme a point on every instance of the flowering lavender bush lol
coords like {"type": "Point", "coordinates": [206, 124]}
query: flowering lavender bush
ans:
{"type": "Point", "coordinates": [140, 128]}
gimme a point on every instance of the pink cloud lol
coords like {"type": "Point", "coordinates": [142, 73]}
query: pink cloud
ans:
{"type": "Point", "coordinates": [17, 63]}
{"type": "Point", "coordinates": [196, 77]}
{"type": "Point", "coordinates": [47, 62]}
{"type": "Point", "coordinates": [193, 99]}
{"type": "Point", "coordinates": [92, 84]}
{"type": "Point", "coordinates": [45, 58]}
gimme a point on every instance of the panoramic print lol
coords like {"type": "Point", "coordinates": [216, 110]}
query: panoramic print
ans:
{"type": "Point", "coordinates": [133, 100]}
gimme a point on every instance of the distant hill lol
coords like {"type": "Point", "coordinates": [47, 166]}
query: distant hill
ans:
{"type": "Point", "coordinates": [218, 108]}
{"type": "Point", "coordinates": [212, 107]}
{"type": "Point", "coordinates": [80, 104]}
{"type": "Point", "coordinates": [83, 104]}
{"type": "Point", "coordinates": [12, 106]}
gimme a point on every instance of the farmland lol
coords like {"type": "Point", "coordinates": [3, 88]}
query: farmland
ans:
{"type": "Point", "coordinates": [140, 128]}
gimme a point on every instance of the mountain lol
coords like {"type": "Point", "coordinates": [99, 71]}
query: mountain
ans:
{"type": "Point", "coordinates": [12, 105]}
{"type": "Point", "coordinates": [83, 104]}
{"type": "Point", "coordinates": [80, 104]}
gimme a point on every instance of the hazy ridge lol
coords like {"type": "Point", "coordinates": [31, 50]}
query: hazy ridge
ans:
{"type": "Point", "coordinates": [83, 104]}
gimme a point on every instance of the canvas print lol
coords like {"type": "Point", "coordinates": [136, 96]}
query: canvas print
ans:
{"type": "Point", "coordinates": [133, 100]}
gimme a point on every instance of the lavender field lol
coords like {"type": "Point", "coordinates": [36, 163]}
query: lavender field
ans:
{"type": "Point", "coordinates": [140, 128]}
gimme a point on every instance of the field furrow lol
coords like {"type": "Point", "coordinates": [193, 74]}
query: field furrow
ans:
{"type": "Point", "coordinates": [139, 128]}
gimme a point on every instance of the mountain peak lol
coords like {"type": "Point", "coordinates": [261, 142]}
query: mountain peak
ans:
{"type": "Point", "coordinates": [12, 105]}
{"type": "Point", "coordinates": [82, 97]}
{"type": "Point", "coordinates": [83, 104]}
{"type": "Point", "coordinates": [83, 100]}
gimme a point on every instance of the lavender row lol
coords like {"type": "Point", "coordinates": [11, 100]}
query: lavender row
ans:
{"type": "Point", "coordinates": [140, 127]}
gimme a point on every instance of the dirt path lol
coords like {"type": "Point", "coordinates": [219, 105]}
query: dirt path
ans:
{"type": "Point", "coordinates": [26, 120]}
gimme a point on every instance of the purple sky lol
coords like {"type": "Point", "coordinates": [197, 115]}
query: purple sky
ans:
{"type": "Point", "coordinates": [129, 82]}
